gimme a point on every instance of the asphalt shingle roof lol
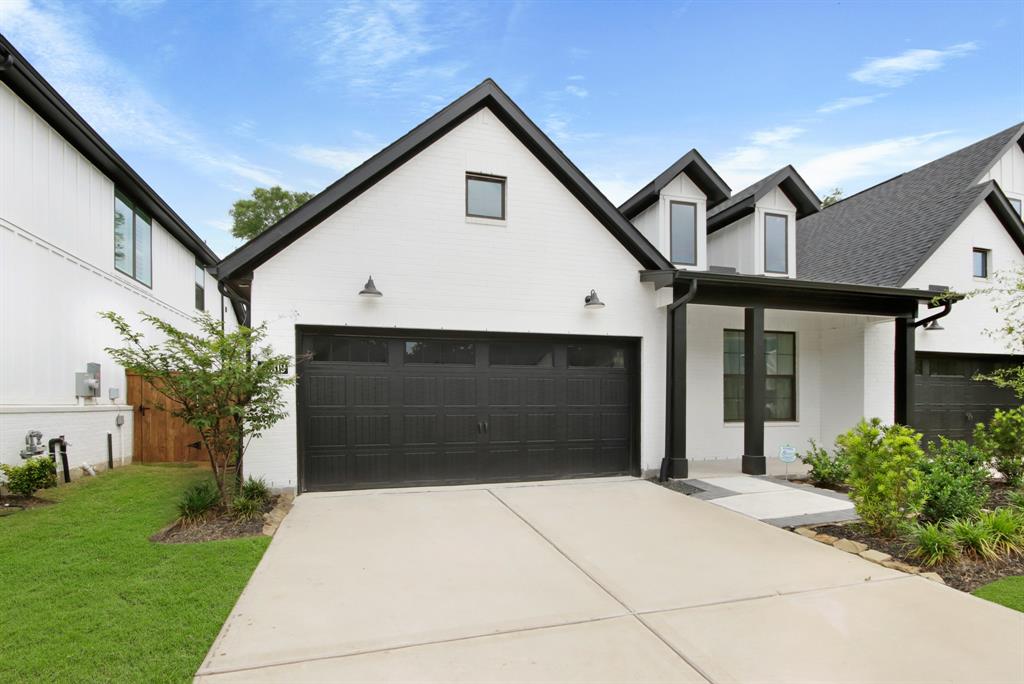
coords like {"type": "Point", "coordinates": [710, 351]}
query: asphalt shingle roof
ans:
{"type": "Point", "coordinates": [881, 235]}
{"type": "Point", "coordinates": [785, 178]}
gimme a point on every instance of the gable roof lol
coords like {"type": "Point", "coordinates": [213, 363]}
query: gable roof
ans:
{"type": "Point", "coordinates": [742, 203]}
{"type": "Point", "coordinates": [696, 168]}
{"type": "Point", "coordinates": [884, 234]}
{"type": "Point", "coordinates": [27, 83]}
{"type": "Point", "coordinates": [242, 261]}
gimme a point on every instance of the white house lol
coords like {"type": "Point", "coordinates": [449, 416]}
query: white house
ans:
{"type": "Point", "coordinates": [466, 306]}
{"type": "Point", "coordinates": [953, 223]}
{"type": "Point", "coordinates": [80, 232]}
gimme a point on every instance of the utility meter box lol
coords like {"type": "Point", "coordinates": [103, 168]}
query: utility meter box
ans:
{"type": "Point", "coordinates": [87, 384]}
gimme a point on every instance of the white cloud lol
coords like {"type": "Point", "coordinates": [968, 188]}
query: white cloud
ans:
{"type": "Point", "coordinates": [882, 158]}
{"type": "Point", "coordinates": [775, 136]}
{"type": "Point", "coordinates": [109, 96]}
{"type": "Point", "coordinates": [339, 159]}
{"type": "Point", "coordinates": [133, 8]}
{"type": "Point", "coordinates": [848, 103]}
{"type": "Point", "coordinates": [578, 91]}
{"type": "Point", "coordinates": [892, 72]}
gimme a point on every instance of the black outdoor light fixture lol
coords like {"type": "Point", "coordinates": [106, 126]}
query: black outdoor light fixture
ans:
{"type": "Point", "coordinates": [370, 290]}
{"type": "Point", "coordinates": [934, 325]}
{"type": "Point", "coordinates": [592, 302]}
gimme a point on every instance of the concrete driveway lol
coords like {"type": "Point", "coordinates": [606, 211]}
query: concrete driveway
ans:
{"type": "Point", "coordinates": [614, 580]}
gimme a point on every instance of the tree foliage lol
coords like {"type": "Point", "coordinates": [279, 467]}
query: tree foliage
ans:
{"type": "Point", "coordinates": [226, 385]}
{"type": "Point", "coordinates": [832, 197]}
{"type": "Point", "coordinates": [252, 215]}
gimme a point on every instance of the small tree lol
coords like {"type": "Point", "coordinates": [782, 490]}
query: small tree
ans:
{"type": "Point", "coordinates": [1002, 440]}
{"type": "Point", "coordinates": [832, 197]}
{"type": "Point", "coordinates": [223, 384]}
{"type": "Point", "coordinates": [253, 215]}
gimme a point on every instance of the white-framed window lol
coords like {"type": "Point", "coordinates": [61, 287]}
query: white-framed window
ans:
{"type": "Point", "coordinates": [776, 243]}
{"type": "Point", "coordinates": [485, 196]}
{"type": "Point", "coordinates": [982, 262]}
{"type": "Point", "coordinates": [682, 228]}
{"type": "Point", "coordinates": [133, 241]}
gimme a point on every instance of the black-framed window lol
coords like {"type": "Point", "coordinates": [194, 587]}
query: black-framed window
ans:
{"type": "Point", "coordinates": [981, 262]}
{"type": "Point", "coordinates": [780, 375]}
{"type": "Point", "coordinates": [683, 232]}
{"type": "Point", "coordinates": [596, 356]}
{"type": "Point", "coordinates": [521, 354]}
{"type": "Point", "coordinates": [1017, 205]}
{"type": "Point", "coordinates": [440, 351]}
{"type": "Point", "coordinates": [776, 243]}
{"type": "Point", "coordinates": [342, 349]}
{"type": "Point", "coordinates": [485, 196]}
{"type": "Point", "coordinates": [200, 275]}
{"type": "Point", "coordinates": [133, 241]}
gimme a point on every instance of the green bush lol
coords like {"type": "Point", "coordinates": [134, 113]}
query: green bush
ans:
{"type": "Point", "coordinates": [955, 480]}
{"type": "Point", "coordinates": [1006, 528]}
{"type": "Point", "coordinates": [826, 470]}
{"type": "Point", "coordinates": [886, 481]}
{"type": "Point", "coordinates": [255, 489]}
{"type": "Point", "coordinates": [1002, 440]}
{"type": "Point", "coordinates": [31, 476]}
{"type": "Point", "coordinates": [933, 544]}
{"type": "Point", "coordinates": [1016, 499]}
{"type": "Point", "coordinates": [198, 502]}
{"type": "Point", "coordinates": [244, 508]}
{"type": "Point", "coordinates": [974, 537]}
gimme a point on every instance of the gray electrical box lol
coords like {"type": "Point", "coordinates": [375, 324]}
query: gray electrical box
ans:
{"type": "Point", "coordinates": [87, 384]}
{"type": "Point", "coordinates": [114, 393]}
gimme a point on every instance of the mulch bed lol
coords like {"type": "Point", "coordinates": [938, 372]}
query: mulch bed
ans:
{"type": "Point", "coordinates": [218, 526]}
{"type": "Point", "coordinates": [842, 489]}
{"type": "Point", "coordinates": [965, 574]}
{"type": "Point", "coordinates": [13, 504]}
{"type": "Point", "coordinates": [999, 495]}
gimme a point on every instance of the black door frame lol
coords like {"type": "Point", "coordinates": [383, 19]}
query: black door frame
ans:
{"type": "Point", "coordinates": [634, 351]}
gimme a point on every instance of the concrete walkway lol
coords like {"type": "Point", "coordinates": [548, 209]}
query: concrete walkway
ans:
{"type": "Point", "coordinates": [588, 581]}
{"type": "Point", "coordinates": [774, 501]}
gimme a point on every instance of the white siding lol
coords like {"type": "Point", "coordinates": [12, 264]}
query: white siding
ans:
{"type": "Point", "coordinates": [740, 244]}
{"type": "Point", "coordinates": [655, 221]}
{"type": "Point", "coordinates": [440, 270]}
{"type": "Point", "coordinates": [733, 245]}
{"type": "Point", "coordinates": [1008, 171]}
{"type": "Point", "coordinates": [56, 273]}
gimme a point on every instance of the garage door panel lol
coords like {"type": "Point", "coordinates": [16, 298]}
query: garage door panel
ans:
{"type": "Point", "coordinates": [947, 399]}
{"type": "Point", "coordinates": [402, 411]}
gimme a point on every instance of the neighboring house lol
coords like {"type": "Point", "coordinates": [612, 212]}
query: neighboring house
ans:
{"type": "Point", "coordinates": [952, 224]}
{"type": "Point", "coordinates": [80, 232]}
{"type": "Point", "coordinates": [519, 326]}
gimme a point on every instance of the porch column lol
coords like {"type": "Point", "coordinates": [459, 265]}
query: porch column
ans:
{"type": "Point", "coordinates": [753, 391]}
{"type": "Point", "coordinates": [904, 370]}
{"type": "Point", "coordinates": [675, 414]}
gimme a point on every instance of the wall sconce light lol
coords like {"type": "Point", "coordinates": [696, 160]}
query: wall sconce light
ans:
{"type": "Point", "coordinates": [592, 302]}
{"type": "Point", "coordinates": [370, 290]}
{"type": "Point", "coordinates": [934, 325]}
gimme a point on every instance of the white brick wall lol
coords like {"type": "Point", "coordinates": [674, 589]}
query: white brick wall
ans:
{"type": "Point", "coordinates": [438, 269]}
{"type": "Point", "coordinates": [84, 427]}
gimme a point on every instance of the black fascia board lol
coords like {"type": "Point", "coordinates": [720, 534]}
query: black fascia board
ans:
{"type": "Point", "coordinates": [786, 179]}
{"type": "Point", "coordinates": [696, 168]}
{"type": "Point", "coordinates": [28, 84]}
{"type": "Point", "coordinates": [487, 94]}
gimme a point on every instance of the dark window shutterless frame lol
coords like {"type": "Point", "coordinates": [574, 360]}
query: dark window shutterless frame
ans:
{"type": "Point", "coordinates": [474, 178]}
{"type": "Point", "coordinates": [200, 286]}
{"type": "Point", "coordinates": [687, 214]}
{"type": "Point", "coordinates": [133, 233]}
{"type": "Point", "coordinates": [981, 265]}
{"type": "Point", "coordinates": [771, 261]}
{"type": "Point", "coordinates": [780, 375]}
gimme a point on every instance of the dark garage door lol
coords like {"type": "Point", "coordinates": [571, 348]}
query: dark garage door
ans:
{"type": "Point", "coordinates": [948, 401]}
{"type": "Point", "coordinates": [397, 410]}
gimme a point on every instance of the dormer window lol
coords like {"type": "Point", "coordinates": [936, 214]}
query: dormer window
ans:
{"type": "Point", "coordinates": [776, 243]}
{"type": "Point", "coordinates": [683, 233]}
{"type": "Point", "coordinates": [485, 196]}
{"type": "Point", "coordinates": [981, 262]}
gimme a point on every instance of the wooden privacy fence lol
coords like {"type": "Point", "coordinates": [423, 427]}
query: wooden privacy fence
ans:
{"type": "Point", "coordinates": [158, 436]}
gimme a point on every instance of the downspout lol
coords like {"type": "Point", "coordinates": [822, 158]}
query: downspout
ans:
{"type": "Point", "coordinates": [670, 315]}
{"type": "Point", "coordinates": [947, 307]}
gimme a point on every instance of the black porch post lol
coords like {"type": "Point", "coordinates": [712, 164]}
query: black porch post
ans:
{"type": "Point", "coordinates": [753, 391]}
{"type": "Point", "coordinates": [678, 466]}
{"type": "Point", "coordinates": [904, 370]}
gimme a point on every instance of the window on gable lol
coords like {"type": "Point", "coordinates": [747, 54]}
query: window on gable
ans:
{"type": "Point", "coordinates": [683, 232]}
{"type": "Point", "coordinates": [133, 241]}
{"type": "Point", "coordinates": [1018, 205]}
{"type": "Point", "coordinates": [780, 375]}
{"type": "Point", "coordinates": [485, 196]}
{"type": "Point", "coordinates": [981, 262]}
{"type": "Point", "coordinates": [200, 286]}
{"type": "Point", "coordinates": [776, 247]}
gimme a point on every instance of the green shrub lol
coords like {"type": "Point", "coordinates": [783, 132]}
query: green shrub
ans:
{"type": "Point", "coordinates": [1016, 499]}
{"type": "Point", "coordinates": [1002, 440]}
{"type": "Point", "coordinates": [244, 508]}
{"type": "Point", "coordinates": [255, 489]}
{"type": "Point", "coordinates": [955, 480]}
{"type": "Point", "coordinates": [974, 537]}
{"type": "Point", "coordinates": [826, 470]}
{"type": "Point", "coordinates": [886, 481]}
{"type": "Point", "coordinates": [31, 476]}
{"type": "Point", "coordinates": [933, 544]}
{"type": "Point", "coordinates": [198, 502]}
{"type": "Point", "coordinates": [1006, 527]}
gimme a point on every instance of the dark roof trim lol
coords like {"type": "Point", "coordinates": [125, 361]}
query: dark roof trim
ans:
{"type": "Point", "coordinates": [22, 78]}
{"type": "Point", "coordinates": [993, 195]}
{"type": "Point", "coordinates": [486, 94]}
{"type": "Point", "coordinates": [696, 168]}
{"type": "Point", "coordinates": [1017, 139]}
{"type": "Point", "coordinates": [742, 203]}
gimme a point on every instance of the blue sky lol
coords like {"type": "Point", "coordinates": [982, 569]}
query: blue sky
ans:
{"type": "Point", "coordinates": [208, 99]}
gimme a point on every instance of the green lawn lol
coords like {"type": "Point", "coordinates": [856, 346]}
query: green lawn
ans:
{"type": "Point", "coordinates": [1008, 592]}
{"type": "Point", "coordinates": [85, 596]}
